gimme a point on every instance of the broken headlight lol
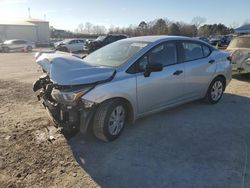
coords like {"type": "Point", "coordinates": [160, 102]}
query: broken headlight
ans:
{"type": "Point", "coordinates": [68, 97]}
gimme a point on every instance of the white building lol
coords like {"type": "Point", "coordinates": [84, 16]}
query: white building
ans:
{"type": "Point", "coordinates": [33, 30]}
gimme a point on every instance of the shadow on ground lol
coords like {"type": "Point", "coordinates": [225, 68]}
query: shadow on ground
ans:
{"type": "Point", "coordinates": [242, 77]}
{"type": "Point", "coordinates": [194, 145]}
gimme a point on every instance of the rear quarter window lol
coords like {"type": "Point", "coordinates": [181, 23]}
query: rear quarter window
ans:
{"type": "Point", "coordinates": [206, 51]}
{"type": "Point", "coordinates": [192, 51]}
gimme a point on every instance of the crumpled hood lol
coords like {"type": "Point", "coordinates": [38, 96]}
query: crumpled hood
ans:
{"type": "Point", "coordinates": [67, 70]}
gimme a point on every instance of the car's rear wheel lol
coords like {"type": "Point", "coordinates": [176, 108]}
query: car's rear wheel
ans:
{"type": "Point", "coordinates": [29, 49]}
{"type": "Point", "coordinates": [215, 91]}
{"type": "Point", "coordinates": [109, 120]}
{"type": "Point", "coordinates": [62, 49]}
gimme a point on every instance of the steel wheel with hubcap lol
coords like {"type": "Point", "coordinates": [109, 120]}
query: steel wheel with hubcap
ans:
{"type": "Point", "coordinates": [217, 90]}
{"type": "Point", "coordinates": [116, 120]}
{"type": "Point", "coordinates": [110, 119]}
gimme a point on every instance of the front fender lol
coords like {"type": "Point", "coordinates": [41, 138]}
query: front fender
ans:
{"type": "Point", "coordinates": [118, 88]}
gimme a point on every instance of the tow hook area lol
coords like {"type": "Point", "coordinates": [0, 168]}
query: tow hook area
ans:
{"type": "Point", "coordinates": [70, 118]}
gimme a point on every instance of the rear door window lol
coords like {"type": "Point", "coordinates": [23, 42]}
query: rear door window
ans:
{"type": "Point", "coordinates": [192, 51]}
{"type": "Point", "coordinates": [73, 42]}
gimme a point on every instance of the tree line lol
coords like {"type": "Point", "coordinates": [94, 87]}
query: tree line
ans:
{"type": "Point", "coordinates": [158, 27]}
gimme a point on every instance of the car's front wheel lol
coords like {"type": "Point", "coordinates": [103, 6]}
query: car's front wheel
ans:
{"type": "Point", "coordinates": [109, 120]}
{"type": "Point", "coordinates": [215, 90]}
{"type": "Point", "coordinates": [6, 49]}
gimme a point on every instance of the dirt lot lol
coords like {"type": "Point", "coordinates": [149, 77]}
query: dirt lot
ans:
{"type": "Point", "coordinates": [194, 145]}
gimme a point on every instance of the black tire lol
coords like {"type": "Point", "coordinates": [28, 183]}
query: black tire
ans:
{"type": "Point", "coordinates": [6, 49]}
{"type": "Point", "coordinates": [63, 49]}
{"type": "Point", "coordinates": [101, 121]}
{"type": "Point", "coordinates": [29, 49]}
{"type": "Point", "coordinates": [210, 98]}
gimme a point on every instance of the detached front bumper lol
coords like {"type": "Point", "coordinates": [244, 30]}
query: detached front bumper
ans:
{"type": "Point", "coordinates": [69, 117]}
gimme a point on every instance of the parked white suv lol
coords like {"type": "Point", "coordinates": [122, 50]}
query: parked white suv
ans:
{"type": "Point", "coordinates": [17, 45]}
{"type": "Point", "coordinates": [70, 45]}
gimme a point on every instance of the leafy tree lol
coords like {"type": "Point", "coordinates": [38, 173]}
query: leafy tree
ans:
{"type": "Point", "coordinates": [174, 29]}
{"type": "Point", "coordinates": [160, 27]}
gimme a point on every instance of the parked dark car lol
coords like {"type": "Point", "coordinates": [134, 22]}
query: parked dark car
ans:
{"type": "Point", "coordinates": [204, 39]}
{"type": "Point", "coordinates": [101, 41]}
{"type": "Point", "coordinates": [216, 41]}
{"type": "Point", "coordinates": [221, 40]}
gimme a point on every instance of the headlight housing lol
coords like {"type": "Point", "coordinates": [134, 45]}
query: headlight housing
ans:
{"type": "Point", "coordinates": [68, 97]}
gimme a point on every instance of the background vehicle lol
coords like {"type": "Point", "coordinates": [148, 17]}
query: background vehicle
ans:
{"type": "Point", "coordinates": [70, 45]}
{"type": "Point", "coordinates": [1, 42]}
{"type": "Point", "coordinates": [17, 45]}
{"type": "Point", "coordinates": [129, 79]}
{"type": "Point", "coordinates": [54, 42]}
{"type": "Point", "coordinates": [220, 40]}
{"type": "Point", "coordinates": [216, 41]}
{"type": "Point", "coordinates": [239, 49]}
{"type": "Point", "coordinates": [203, 39]}
{"type": "Point", "coordinates": [102, 41]}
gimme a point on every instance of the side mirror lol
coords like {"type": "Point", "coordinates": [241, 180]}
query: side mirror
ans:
{"type": "Point", "coordinates": [152, 67]}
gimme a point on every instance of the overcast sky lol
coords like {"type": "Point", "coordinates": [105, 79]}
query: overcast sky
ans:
{"type": "Point", "coordinates": [65, 14]}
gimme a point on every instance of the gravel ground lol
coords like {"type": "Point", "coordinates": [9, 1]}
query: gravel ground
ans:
{"type": "Point", "coordinates": [194, 145]}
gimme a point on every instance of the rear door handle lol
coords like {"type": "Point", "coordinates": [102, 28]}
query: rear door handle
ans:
{"type": "Point", "coordinates": [178, 72]}
{"type": "Point", "coordinates": [211, 61]}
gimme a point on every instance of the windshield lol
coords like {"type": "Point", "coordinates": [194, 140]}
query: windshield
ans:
{"type": "Point", "coordinates": [101, 38]}
{"type": "Point", "coordinates": [115, 54]}
{"type": "Point", "coordinates": [242, 42]}
{"type": "Point", "coordinates": [65, 41]}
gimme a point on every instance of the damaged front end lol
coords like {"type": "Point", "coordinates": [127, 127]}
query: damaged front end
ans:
{"type": "Point", "coordinates": [64, 104]}
{"type": "Point", "coordinates": [66, 80]}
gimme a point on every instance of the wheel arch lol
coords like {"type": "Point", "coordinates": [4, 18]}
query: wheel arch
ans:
{"type": "Point", "coordinates": [223, 78]}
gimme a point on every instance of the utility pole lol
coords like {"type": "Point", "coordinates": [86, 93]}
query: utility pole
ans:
{"type": "Point", "coordinates": [29, 13]}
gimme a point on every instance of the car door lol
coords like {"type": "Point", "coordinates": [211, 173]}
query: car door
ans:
{"type": "Point", "coordinates": [80, 44]}
{"type": "Point", "coordinates": [14, 45]}
{"type": "Point", "coordinates": [72, 46]}
{"type": "Point", "coordinates": [162, 88]}
{"type": "Point", "coordinates": [199, 68]}
{"type": "Point", "coordinates": [22, 44]}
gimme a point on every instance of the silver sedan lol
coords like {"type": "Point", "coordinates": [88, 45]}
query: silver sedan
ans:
{"type": "Point", "coordinates": [129, 79]}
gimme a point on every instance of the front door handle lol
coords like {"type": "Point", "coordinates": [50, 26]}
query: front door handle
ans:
{"type": "Point", "coordinates": [211, 61]}
{"type": "Point", "coordinates": [178, 72]}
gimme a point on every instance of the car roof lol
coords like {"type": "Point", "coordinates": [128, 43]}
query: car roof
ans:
{"type": "Point", "coordinates": [156, 38]}
{"type": "Point", "coordinates": [116, 35]}
{"type": "Point", "coordinates": [13, 40]}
